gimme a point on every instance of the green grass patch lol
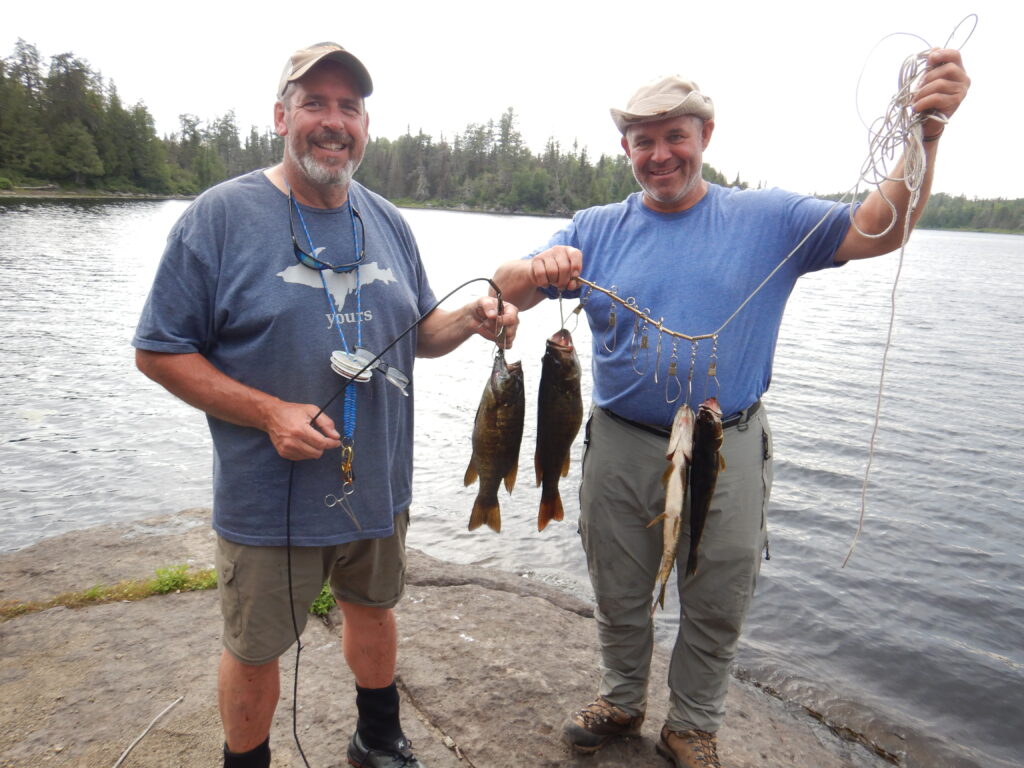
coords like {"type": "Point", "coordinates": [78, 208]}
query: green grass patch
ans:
{"type": "Point", "coordinates": [323, 603]}
{"type": "Point", "coordinates": [175, 578]}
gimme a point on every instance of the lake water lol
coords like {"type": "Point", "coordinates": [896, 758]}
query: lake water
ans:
{"type": "Point", "coordinates": [916, 643]}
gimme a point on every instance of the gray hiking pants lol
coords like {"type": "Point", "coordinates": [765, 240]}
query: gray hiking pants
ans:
{"type": "Point", "coordinates": [621, 492]}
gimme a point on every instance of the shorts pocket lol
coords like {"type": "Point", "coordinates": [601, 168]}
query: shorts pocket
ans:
{"type": "Point", "coordinates": [230, 600]}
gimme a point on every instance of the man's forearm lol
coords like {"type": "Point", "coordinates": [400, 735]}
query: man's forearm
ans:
{"type": "Point", "coordinates": [192, 378]}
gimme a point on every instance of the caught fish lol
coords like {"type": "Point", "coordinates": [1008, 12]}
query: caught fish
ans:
{"type": "Point", "coordinates": [559, 415]}
{"type": "Point", "coordinates": [679, 455]}
{"type": "Point", "coordinates": [707, 461]}
{"type": "Point", "coordinates": [497, 433]}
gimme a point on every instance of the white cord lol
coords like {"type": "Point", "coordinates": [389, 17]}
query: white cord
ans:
{"type": "Point", "coordinates": [148, 729]}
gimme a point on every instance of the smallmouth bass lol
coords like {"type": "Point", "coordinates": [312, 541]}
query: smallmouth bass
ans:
{"type": "Point", "coordinates": [497, 434]}
{"type": "Point", "coordinates": [559, 416]}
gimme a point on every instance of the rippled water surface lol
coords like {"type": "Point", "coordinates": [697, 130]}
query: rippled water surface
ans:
{"type": "Point", "coordinates": [916, 643]}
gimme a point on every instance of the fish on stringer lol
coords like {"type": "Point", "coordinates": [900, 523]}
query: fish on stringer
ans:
{"type": "Point", "coordinates": [708, 437]}
{"type": "Point", "coordinates": [676, 479]}
{"type": "Point", "coordinates": [559, 416]}
{"type": "Point", "coordinates": [497, 434]}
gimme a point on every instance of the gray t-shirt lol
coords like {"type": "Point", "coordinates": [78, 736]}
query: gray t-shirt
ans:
{"type": "Point", "coordinates": [230, 288]}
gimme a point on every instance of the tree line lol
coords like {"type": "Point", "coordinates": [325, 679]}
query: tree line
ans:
{"type": "Point", "coordinates": [62, 123]}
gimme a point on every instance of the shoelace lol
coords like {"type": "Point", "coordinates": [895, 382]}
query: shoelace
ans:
{"type": "Point", "coordinates": [707, 750]}
{"type": "Point", "coordinates": [597, 713]}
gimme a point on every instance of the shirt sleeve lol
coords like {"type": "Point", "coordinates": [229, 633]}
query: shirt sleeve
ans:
{"type": "Point", "coordinates": [177, 317]}
{"type": "Point", "coordinates": [821, 226]}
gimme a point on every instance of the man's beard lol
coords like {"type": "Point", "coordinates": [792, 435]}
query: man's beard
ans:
{"type": "Point", "coordinates": [320, 172]}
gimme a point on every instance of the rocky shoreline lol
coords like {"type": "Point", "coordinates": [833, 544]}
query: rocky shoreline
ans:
{"type": "Point", "coordinates": [490, 663]}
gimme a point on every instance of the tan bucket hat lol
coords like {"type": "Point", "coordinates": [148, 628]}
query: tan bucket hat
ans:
{"type": "Point", "coordinates": [305, 59]}
{"type": "Point", "coordinates": [669, 97]}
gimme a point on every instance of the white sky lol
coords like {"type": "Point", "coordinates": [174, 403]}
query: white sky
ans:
{"type": "Point", "coordinates": [783, 75]}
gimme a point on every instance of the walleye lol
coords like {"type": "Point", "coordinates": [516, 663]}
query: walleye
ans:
{"type": "Point", "coordinates": [497, 433]}
{"type": "Point", "coordinates": [707, 461]}
{"type": "Point", "coordinates": [559, 415]}
{"type": "Point", "coordinates": [679, 455]}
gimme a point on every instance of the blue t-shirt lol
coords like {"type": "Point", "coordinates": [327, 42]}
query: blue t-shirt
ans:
{"type": "Point", "coordinates": [230, 288]}
{"type": "Point", "coordinates": [694, 268]}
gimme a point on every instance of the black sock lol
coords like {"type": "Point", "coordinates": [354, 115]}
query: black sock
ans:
{"type": "Point", "coordinates": [258, 757]}
{"type": "Point", "coordinates": [379, 726]}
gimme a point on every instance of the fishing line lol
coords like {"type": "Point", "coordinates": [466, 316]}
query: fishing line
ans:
{"type": "Point", "coordinates": [899, 121]}
{"type": "Point", "coordinates": [291, 477]}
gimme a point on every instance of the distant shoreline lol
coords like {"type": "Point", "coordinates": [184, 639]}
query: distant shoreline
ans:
{"type": "Point", "coordinates": [61, 194]}
{"type": "Point", "coordinates": [32, 193]}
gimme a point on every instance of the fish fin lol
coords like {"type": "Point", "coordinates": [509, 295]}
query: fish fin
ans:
{"type": "Point", "coordinates": [470, 477]}
{"type": "Point", "coordinates": [510, 478]}
{"type": "Point", "coordinates": [565, 466]}
{"type": "Point", "coordinates": [665, 475]}
{"type": "Point", "coordinates": [550, 509]}
{"type": "Point", "coordinates": [657, 520]}
{"type": "Point", "coordinates": [483, 513]}
{"type": "Point", "coordinates": [659, 601]}
{"type": "Point", "coordinates": [537, 468]}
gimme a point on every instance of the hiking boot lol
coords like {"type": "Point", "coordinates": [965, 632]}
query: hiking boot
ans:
{"type": "Point", "coordinates": [590, 728]}
{"type": "Point", "coordinates": [689, 749]}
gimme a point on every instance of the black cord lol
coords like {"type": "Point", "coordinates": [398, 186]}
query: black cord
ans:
{"type": "Point", "coordinates": [291, 476]}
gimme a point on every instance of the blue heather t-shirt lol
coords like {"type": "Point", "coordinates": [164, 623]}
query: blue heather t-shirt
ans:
{"type": "Point", "coordinates": [230, 288]}
{"type": "Point", "coordinates": [695, 268]}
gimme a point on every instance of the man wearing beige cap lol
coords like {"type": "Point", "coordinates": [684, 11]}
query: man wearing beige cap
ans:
{"type": "Point", "coordinates": [693, 253]}
{"type": "Point", "coordinates": [274, 289]}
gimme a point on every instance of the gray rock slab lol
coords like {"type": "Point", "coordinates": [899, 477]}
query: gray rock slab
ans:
{"type": "Point", "coordinates": [490, 664]}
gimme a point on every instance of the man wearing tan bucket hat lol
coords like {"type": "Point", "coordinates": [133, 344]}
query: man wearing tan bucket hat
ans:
{"type": "Point", "coordinates": [693, 252]}
{"type": "Point", "coordinates": [235, 325]}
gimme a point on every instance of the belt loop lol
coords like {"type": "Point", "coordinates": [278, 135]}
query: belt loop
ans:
{"type": "Point", "coordinates": [744, 423]}
{"type": "Point", "coordinates": [743, 417]}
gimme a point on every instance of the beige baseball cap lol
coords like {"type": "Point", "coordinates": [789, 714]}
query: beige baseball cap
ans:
{"type": "Point", "coordinates": [305, 59]}
{"type": "Point", "coordinates": [669, 97]}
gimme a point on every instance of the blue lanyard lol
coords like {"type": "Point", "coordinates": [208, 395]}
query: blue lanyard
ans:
{"type": "Point", "coordinates": [350, 392]}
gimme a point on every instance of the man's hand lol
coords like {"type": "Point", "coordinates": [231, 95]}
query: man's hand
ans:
{"type": "Point", "coordinates": [558, 266]}
{"type": "Point", "coordinates": [493, 328]}
{"type": "Point", "coordinates": [942, 89]}
{"type": "Point", "coordinates": [294, 438]}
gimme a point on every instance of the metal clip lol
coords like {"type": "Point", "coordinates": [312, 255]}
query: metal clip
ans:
{"type": "Point", "coordinates": [610, 333]}
{"type": "Point", "coordinates": [673, 374]}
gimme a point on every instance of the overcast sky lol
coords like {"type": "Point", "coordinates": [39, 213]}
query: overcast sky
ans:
{"type": "Point", "coordinates": [783, 76]}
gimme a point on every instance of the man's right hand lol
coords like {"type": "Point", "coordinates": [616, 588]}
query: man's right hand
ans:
{"type": "Point", "coordinates": [558, 266]}
{"type": "Point", "coordinates": [294, 437]}
{"type": "Point", "coordinates": [195, 380]}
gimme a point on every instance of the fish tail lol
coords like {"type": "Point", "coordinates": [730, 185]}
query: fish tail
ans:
{"type": "Point", "coordinates": [691, 559]}
{"type": "Point", "coordinates": [550, 509]}
{"type": "Point", "coordinates": [485, 513]}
